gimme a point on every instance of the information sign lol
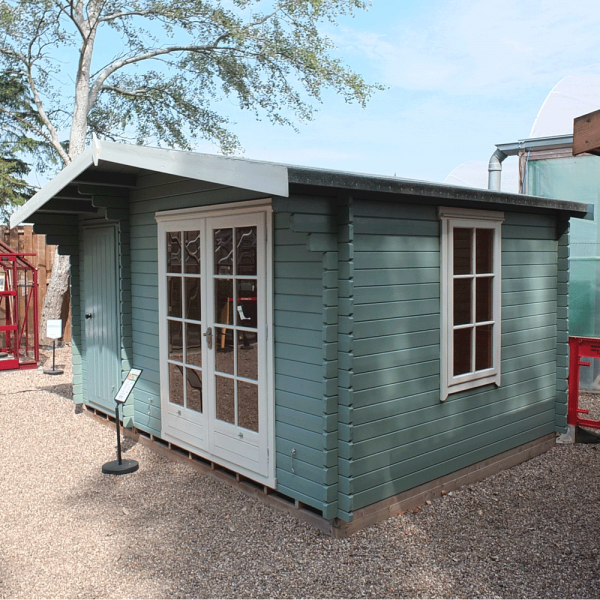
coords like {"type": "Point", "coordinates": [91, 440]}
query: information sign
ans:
{"type": "Point", "coordinates": [2, 282]}
{"type": "Point", "coordinates": [54, 328]}
{"type": "Point", "coordinates": [127, 386]}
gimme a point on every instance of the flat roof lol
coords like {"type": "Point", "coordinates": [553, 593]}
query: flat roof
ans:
{"type": "Point", "coordinates": [272, 179]}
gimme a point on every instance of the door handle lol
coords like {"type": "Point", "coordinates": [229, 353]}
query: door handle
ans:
{"type": "Point", "coordinates": [88, 315]}
{"type": "Point", "coordinates": [209, 337]}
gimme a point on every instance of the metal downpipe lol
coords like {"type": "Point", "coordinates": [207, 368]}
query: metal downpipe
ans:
{"type": "Point", "coordinates": [495, 170]}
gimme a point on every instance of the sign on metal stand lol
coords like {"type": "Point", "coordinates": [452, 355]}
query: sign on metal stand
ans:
{"type": "Point", "coordinates": [120, 466]}
{"type": "Point", "coordinates": [53, 331]}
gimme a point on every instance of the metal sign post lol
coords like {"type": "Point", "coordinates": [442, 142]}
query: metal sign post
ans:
{"type": "Point", "coordinates": [54, 331]}
{"type": "Point", "coordinates": [120, 466]}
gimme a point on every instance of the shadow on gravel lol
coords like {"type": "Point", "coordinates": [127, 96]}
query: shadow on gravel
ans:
{"type": "Point", "coordinates": [61, 389]}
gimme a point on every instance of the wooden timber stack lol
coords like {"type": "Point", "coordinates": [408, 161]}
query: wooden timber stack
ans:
{"type": "Point", "coordinates": [22, 239]}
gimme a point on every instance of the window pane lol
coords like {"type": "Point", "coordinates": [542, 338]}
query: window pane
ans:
{"type": "Point", "coordinates": [174, 297]}
{"type": "Point", "coordinates": [483, 299]}
{"type": "Point", "coordinates": [247, 355]}
{"type": "Point", "coordinates": [483, 345]}
{"type": "Point", "coordinates": [224, 301]}
{"type": "Point", "coordinates": [246, 250]}
{"type": "Point", "coordinates": [246, 302]}
{"type": "Point", "coordinates": [173, 252]}
{"type": "Point", "coordinates": [462, 301]}
{"type": "Point", "coordinates": [223, 251]}
{"type": "Point", "coordinates": [462, 351]}
{"type": "Point", "coordinates": [224, 351]}
{"type": "Point", "coordinates": [463, 242]}
{"type": "Point", "coordinates": [193, 344]}
{"type": "Point", "coordinates": [248, 405]}
{"type": "Point", "coordinates": [192, 298]}
{"type": "Point", "coordinates": [225, 399]}
{"type": "Point", "coordinates": [175, 384]}
{"type": "Point", "coordinates": [484, 250]}
{"type": "Point", "coordinates": [194, 389]}
{"type": "Point", "coordinates": [192, 252]}
{"type": "Point", "coordinates": [176, 341]}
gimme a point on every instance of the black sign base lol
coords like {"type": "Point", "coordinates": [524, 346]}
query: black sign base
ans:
{"type": "Point", "coordinates": [53, 371]}
{"type": "Point", "coordinates": [123, 468]}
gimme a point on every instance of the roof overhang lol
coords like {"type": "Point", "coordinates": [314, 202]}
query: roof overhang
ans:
{"type": "Point", "coordinates": [102, 157]}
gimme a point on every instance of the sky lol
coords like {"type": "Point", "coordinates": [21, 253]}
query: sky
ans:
{"type": "Point", "coordinates": [460, 77]}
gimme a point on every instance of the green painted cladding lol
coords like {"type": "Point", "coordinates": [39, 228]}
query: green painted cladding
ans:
{"type": "Point", "coordinates": [357, 340]}
{"type": "Point", "coordinates": [397, 433]}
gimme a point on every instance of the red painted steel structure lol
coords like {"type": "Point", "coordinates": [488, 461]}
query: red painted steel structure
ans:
{"type": "Point", "coordinates": [19, 336]}
{"type": "Point", "coordinates": [580, 347]}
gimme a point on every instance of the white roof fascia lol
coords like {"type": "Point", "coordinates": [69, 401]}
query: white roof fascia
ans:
{"type": "Point", "coordinates": [246, 174]}
{"type": "Point", "coordinates": [70, 172]}
{"type": "Point", "coordinates": [235, 172]}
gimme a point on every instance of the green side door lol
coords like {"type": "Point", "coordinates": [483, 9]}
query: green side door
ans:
{"type": "Point", "coordinates": [100, 301]}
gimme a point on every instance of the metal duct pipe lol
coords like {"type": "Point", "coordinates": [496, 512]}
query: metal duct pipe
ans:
{"type": "Point", "coordinates": [495, 170]}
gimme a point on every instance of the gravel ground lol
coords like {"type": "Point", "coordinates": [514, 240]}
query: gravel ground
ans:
{"type": "Point", "coordinates": [167, 531]}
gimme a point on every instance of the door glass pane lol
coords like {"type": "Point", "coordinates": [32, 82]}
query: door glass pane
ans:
{"type": "Point", "coordinates": [483, 295]}
{"type": "Point", "coordinates": [223, 251]}
{"type": "Point", "coordinates": [192, 252]}
{"type": "Point", "coordinates": [193, 343]}
{"type": "Point", "coordinates": [225, 392]}
{"type": "Point", "coordinates": [175, 384]}
{"type": "Point", "coordinates": [224, 301]}
{"type": "Point", "coordinates": [174, 297]}
{"type": "Point", "coordinates": [194, 389]}
{"type": "Point", "coordinates": [484, 250]}
{"type": "Point", "coordinates": [462, 351]}
{"type": "Point", "coordinates": [192, 298]}
{"type": "Point", "coordinates": [248, 405]}
{"type": "Point", "coordinates": [173, 252]}
{"type": "Point", "coordinates": [483, 347]}
{"type": "Point", "coordinates": [246, 250]}
{"type": "Point", "coordinates": [462, 301]}
{"type": "Point", "coordinates": [175, 341]}
{"type": "Point", "coordinates": [247, 362]}
{"type": "Point", "coordinates": [224, 351]}
{"type": "Point", "coordinates": [463, 251]}
{"type": "Point", "coordinates": [246, 302]}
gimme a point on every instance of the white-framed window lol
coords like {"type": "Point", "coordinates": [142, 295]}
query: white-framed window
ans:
{"type": "Point", "coordinates": [470, 277]}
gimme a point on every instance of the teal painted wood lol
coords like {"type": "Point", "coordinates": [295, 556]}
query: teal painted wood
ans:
{"type": "Point", "coordinates": [393, 260]}
{"type": "Point", "coordinates": [381, 277]}
{"type": "Point", "coordinates": [437, 467]}
{"type": "Point", "coordinates": [392, 243]}
{"type": "Point", "coordinates": [562, 324]}
{"type": "Point", "coordinates": [384, 226]}
{"type": "Point", "coordinates": [392, 343]}
{"type": "Point", "coordinates": [100, 297]}
{"type": "Point", "coordinates": [380, 310]}
{"type": "Point", "coordinates": [387, 401]}
{"type": "Point", "coordinates": [395, 211]}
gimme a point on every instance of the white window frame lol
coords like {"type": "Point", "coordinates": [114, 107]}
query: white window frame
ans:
{"type": "Point", "coordinates": [452, 218]}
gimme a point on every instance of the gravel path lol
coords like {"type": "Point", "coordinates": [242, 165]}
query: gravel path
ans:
{"type": "Point", "coordinates": [67, 531]}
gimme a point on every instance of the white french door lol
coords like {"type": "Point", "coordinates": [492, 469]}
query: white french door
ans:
{"type": "Point", "coordinates": [214, 318]}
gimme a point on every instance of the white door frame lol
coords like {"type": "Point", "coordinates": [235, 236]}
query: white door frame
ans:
{"type": "Point", "coordinates": [198, 433]}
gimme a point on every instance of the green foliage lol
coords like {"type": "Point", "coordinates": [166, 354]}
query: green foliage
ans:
{"type": "Point", "coordinates": [19, 121]}
{"type": "Point", "coordinates": [157, 71]}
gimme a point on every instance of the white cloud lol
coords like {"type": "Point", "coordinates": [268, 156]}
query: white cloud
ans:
{"type": "Point", "coordinates": [485, 48]}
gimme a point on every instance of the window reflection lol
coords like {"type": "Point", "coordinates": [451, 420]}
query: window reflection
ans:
{"type": "Point", "coordinates": [223, 251]}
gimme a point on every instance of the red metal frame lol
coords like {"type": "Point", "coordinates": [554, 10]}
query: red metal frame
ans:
{"type": "Point", "coordinates": [578, 347]}
{"type": "Point", "coordinates": [17, 325]}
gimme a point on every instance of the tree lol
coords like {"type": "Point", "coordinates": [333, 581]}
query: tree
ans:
{"type": "Point", "coordinates": [18, 121]}
{"type": "Point", "coordinates": [176, 60]}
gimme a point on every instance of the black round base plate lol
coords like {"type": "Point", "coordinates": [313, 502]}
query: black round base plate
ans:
{"type": "Point", "coordinates": [114, 468]}
{"type": "Point", "coordinates": [53, 371]}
